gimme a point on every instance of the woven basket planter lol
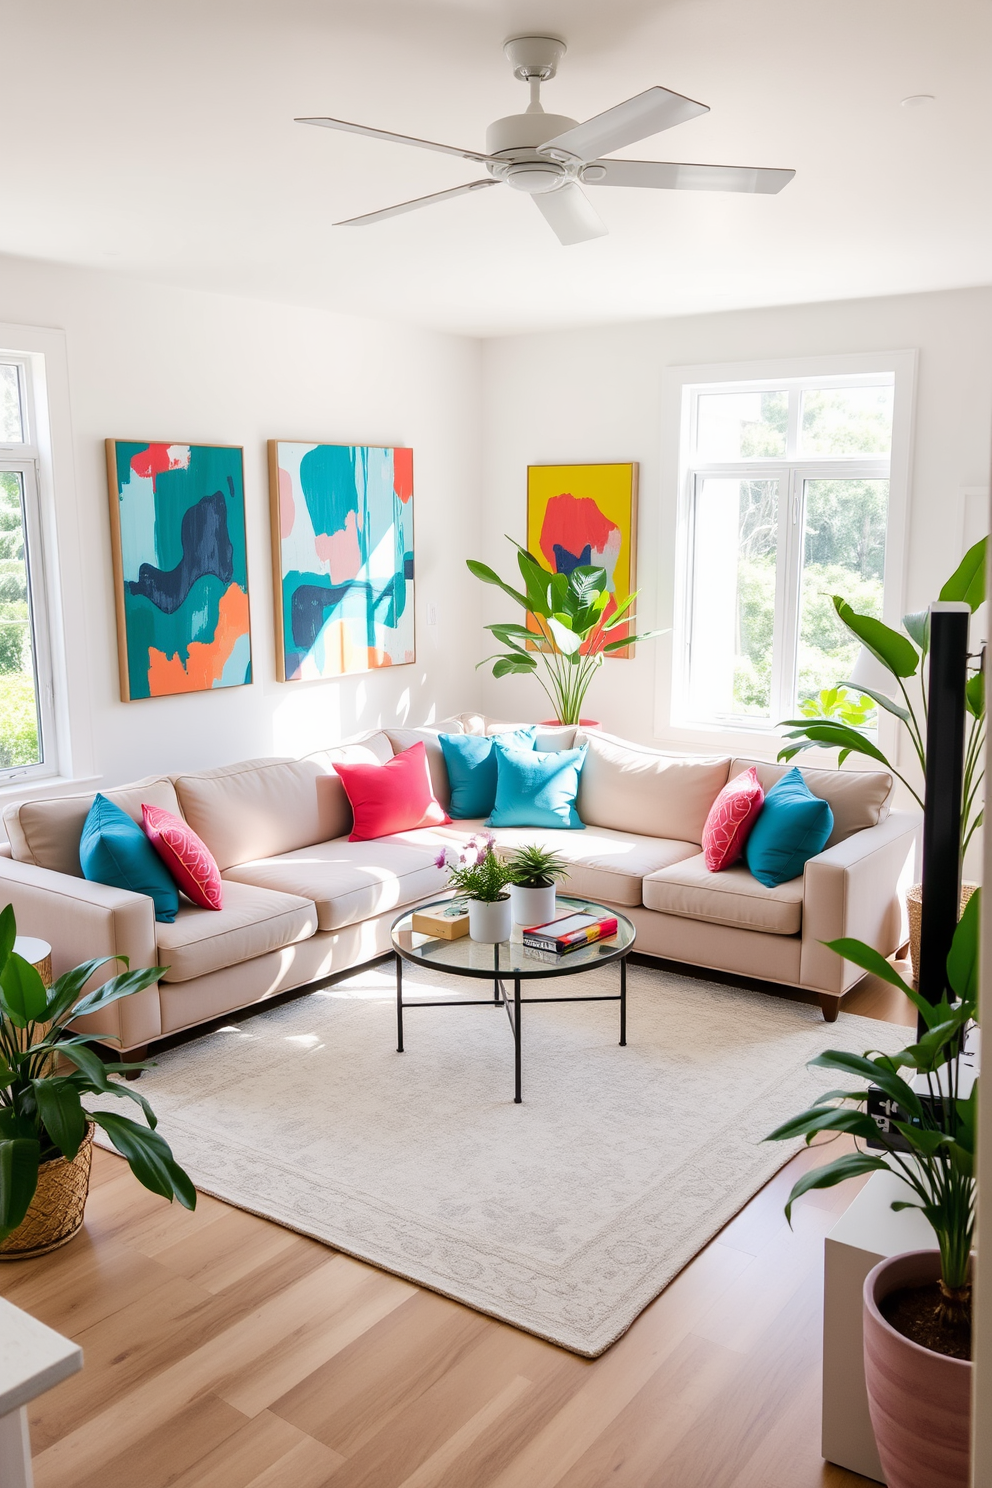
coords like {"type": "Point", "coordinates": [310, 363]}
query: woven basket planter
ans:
{"type": "Point", "coordinates": [55, 1214]}
{"type": "Point", "coordinates": [914, 906]}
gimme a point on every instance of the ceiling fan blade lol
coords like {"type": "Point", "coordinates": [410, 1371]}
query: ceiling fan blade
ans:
{"type": "Point", "coordinates": [397, 139]}
{"type": "Point", "coordinates": [667, 176]}
{"type": "Point", "coordinates": [645, 114]}
{"type": "Point", "coordinates": [570, 214]}
{"type": "Point", "coordinates": [419, 201]}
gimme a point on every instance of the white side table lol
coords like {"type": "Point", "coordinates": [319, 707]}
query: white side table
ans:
{"type": "Point", "coordinates": [865, 1234]}
{"type": "Point", "coordinates": [33, 1358]}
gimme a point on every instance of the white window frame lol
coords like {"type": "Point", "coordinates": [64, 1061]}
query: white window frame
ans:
{"type": "Point", "coordinates": [45, 460]}
{"type": "Point", "coordinates": [681, 388]}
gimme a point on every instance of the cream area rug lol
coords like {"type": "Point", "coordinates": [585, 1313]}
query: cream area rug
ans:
{"type": "Point", "coordinates": [565, 1215]}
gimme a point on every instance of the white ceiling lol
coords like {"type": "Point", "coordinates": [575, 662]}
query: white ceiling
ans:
{"type": "Point", "coordinates": [157, 137]}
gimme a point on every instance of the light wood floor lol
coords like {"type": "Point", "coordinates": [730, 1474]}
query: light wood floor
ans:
{"type": "Point", "coordinates": [225, 1352]}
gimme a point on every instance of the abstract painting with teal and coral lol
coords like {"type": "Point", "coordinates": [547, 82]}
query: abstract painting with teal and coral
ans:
{"type": "Point", "coordinates": [178, 513]}
{"type": "Point", "coordinates": [342, 533]}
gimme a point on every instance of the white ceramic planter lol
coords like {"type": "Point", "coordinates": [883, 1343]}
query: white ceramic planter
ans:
{"type": "Point", "coordinates": [532, 906]}
{"type": "Point", "coordinates": [489, 922]}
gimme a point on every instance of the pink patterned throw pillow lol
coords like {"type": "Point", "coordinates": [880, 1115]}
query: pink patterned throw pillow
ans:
{"type": "Point", "coordinates": [730, 819]}
{"type": "Point", "coordinates": [189, 860]}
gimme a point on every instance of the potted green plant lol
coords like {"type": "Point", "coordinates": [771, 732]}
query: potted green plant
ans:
{"type": "Point", "coordinates": [832, 721]}
{"type": "Point", "coordinates": [917, 1315]}
{"type": "Point", "coordinates": [482, 877]}
{"type": "Point", "coordinates": [574, 626]}
{"type": "Point", "coordinates": [535, 871]}
{"type": "Point", "coordinates": [46, 1134]}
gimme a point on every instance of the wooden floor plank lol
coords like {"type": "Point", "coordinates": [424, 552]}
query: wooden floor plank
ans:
{"type": "Point", "coordinates": [222, 1351]}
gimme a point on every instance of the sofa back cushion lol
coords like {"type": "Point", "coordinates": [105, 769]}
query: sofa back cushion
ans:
{"type": "Point", "coordinates": [333, 807]}
{"type": "Point", "coordinates": [857, 798]}
{"type": "Point", "coordinates": [405, 738]}
{"type": "Point", "coordinates": [635, 789]}
{"type": "Point", "coordinates": [46, 832]}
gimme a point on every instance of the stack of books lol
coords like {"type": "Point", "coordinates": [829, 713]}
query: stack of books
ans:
{"type": "Point", "coordinates": [569, 933]}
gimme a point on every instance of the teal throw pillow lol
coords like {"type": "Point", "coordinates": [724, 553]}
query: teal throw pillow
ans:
{"type": "Point", "coordinates": [534, 789]}
{"type": "Point", "coordinates": [114, 850]}
{"type": "Point", "coordinates": [793, 825]}
{"type": "Point", "coordinates": [472, 771]}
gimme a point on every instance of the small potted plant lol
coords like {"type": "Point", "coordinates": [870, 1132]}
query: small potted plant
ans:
{"type": "Point", "coordinates": [483, 878]}
{"type": "Point", "coordinates": [46, 1134]}
{"type": "Point", "coordinates": [917, 1306]}
{"type": "Point", "coordinates": [534, 870]}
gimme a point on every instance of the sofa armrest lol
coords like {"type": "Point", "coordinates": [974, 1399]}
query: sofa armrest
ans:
{"type": "Point", "coordinates": [856, 889]}
{"type": "Point", "coordinates": [81, 920]}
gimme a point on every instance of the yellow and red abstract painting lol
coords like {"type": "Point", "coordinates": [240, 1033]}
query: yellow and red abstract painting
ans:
{"type": "Point", "coordinates": [178, 532]}
{"type": "Point", "coordinates": [586, 514]}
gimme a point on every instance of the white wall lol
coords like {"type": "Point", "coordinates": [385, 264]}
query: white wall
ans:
{"type": "Point", "coordinates": [148, 362]}
{"type": "Point", "coordinates": [596, 395]}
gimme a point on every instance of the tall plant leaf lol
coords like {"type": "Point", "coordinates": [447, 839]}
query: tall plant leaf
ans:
{"type": "Point", "coordinates": [8, 933]}
{"type": "Point", "coordinates": [62, 1114]}
{"type": "Point", "coordinates": [120, 986]}
{"type": "Point", "coordinates": [880, 698]}
{"type": "Point", "coordinates": [967, 582]}
{"type": "Point", "coordinates": [974, 695]}
{"type": "Point", "coordinates": [917, 625]}
{"type": "Point", "coordinates": [22, 992]}
{"type": "Point", "coordinates": [893, 650]}
{"type": "Point", "coordinates": [962, 962]}
{"type": "Point", "coordinates": [149, 1157]}
{"type": "Point", "coordinates": [64, 993]}
{"type": "Point", "coordinates": [18, 1180]}
{"type": "Point", "coordinates": [488, 576]}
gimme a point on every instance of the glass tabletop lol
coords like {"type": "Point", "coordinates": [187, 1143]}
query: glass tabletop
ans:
{"type": "Point", "coordinates": [475, 958]}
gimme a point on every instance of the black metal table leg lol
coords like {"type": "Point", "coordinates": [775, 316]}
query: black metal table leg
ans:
{"type": "Point", "coordinates": [623, 1001]}
{"type": "Point", "coordinates": [496, 974]}
{"type": "Point", "coordinates": [399, 1002]}
{"type": "Point", "coordinates": [516, 1040]}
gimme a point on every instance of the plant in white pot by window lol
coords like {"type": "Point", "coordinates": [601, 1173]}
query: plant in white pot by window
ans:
{"type": "Point", "coordinates": [917, 1306]}
{"type": "Point", "coordinates": [535, 871]}
{"type": "Point", "coordinates": [483, 878]}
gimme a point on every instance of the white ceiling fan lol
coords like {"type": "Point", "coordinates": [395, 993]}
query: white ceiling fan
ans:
{"type": "Point", "coordinates": [551, 157]}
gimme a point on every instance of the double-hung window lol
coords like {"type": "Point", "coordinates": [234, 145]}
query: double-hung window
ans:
{"type": "Point", "coordinates": [785, 502]}
{"type": "Point", "coordinates": [27, 726]}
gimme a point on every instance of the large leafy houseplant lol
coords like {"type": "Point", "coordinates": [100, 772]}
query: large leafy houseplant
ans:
{"type": "Point", "coordinates": [936, 1125]}
{"type": "Point", "coordinates": [903, 654]}
{"type": "Point", "coordinates": [574, 629]}
{"type": "Point", "coordinates": [41, 1112]}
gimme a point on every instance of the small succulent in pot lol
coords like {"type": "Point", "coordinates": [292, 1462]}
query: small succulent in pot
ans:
{"type": "Point", "coordinates": [535, 871]}
{"type": "Point", "coordinates": [536, 867]}
{"type": "Point", "coordinates": [477, 871]}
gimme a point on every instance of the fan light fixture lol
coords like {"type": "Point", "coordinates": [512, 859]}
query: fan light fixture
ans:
{"type": "Point", "coordinates": [546, 156]}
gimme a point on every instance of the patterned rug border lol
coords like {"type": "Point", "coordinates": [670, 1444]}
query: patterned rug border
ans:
{"type": "Point", "coordinates": [538, 1298]}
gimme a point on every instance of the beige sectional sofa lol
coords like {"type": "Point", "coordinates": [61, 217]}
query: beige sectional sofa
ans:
{"type": "Point", "coordinates": [301, 902]}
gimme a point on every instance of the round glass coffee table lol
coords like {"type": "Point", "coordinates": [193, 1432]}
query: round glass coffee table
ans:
{"type": "Point", "coordinates": [509, 960]}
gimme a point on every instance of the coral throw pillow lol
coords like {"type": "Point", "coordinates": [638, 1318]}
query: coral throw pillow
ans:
{"type": "Point", "coordinates": [187, 858]}
{"type": "Point", "coordinates": [394, 797]}
{"type": "Point", "coordinates": [730, 819]}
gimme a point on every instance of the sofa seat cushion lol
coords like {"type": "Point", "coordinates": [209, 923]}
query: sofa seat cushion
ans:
{"type": "Point", "coordinates": [253, 921]}
{"type": "Point", "coordinates": [732, 897]}
{"type": "Point", "coordinates": [350, 881]}
{"type": "Point", "coordinates": [602, 864]}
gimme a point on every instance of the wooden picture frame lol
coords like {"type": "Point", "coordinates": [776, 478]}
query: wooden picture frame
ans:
{"type": "Point", "coordinates": [178, 543]}
{"type": "Point", "coordinates": [338, 513]}
{"type": "Point", "coordinates": [586, 514]}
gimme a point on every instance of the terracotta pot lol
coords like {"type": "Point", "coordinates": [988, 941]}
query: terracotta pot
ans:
{"type": "Point", "coordinates": [582, 723]}
{"type": "Point", "coordinates": [920, 1402]}
{"type": "Point", "coordinates": [55, 1214]}
{"type": "Point", "coordinates": [532, 906]}
{"type": "Point", "coordinates": [490, 922]}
